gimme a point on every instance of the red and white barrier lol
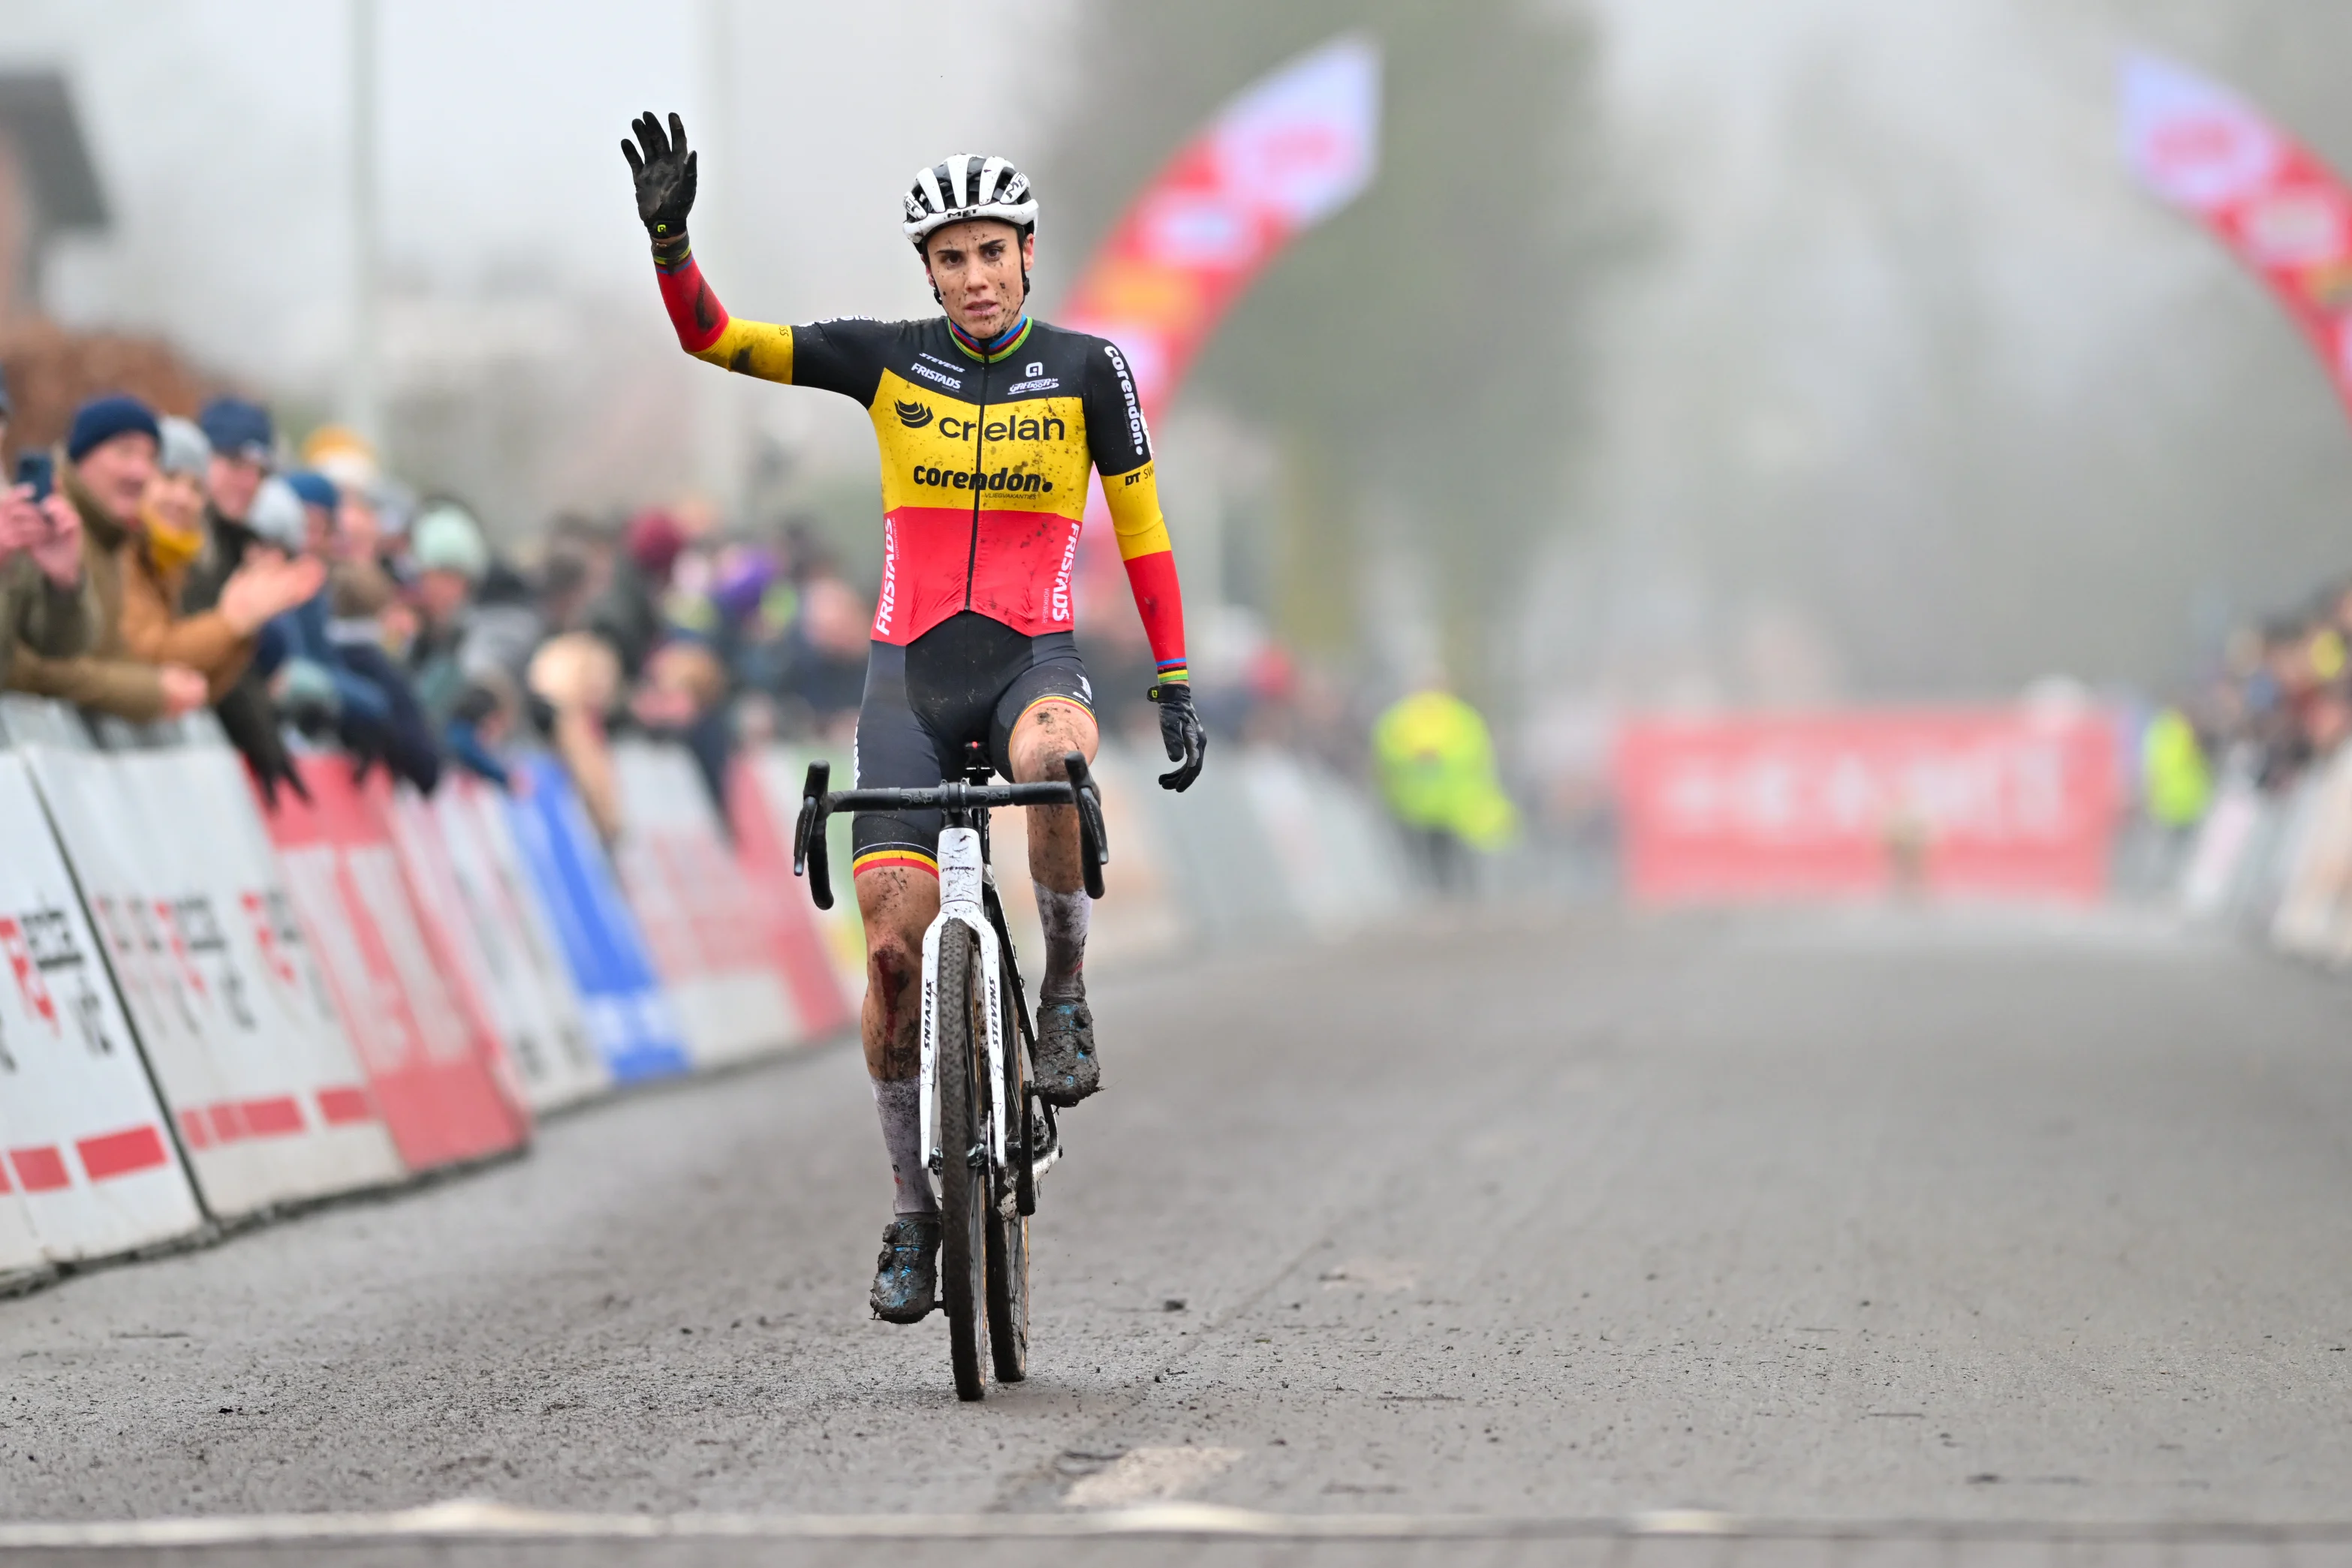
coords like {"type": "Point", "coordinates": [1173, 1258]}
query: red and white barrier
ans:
{"type": "Point", "coordinates": [21, 1259]}
{"type": "Point", "coordinates": [797, 941]}
{"type": "Point", "coordinates": [779, 774]}
{"type": "Point", "coordinates": [132, 878]}
{"type": "Point", "coordinates": [444, 1087]}
{"type": "Point", "coordinates": [465, 833]}
{"type": "Point", "coordinates": [88, 1160]}
{"type": "Point", "coordinates": [318, 1121]}
{"type": "Point", "coordinates": [2011, 803]}
{"type": "Point", "coordinates": [708, 931]}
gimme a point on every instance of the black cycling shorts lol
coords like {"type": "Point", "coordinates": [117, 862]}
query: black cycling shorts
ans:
{"type": "Point", "coordinates": [968, 679]}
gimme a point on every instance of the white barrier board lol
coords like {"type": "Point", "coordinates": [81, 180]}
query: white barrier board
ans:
{"type": "Point", "coordinates": [782, 772]}
{"type": "Point", "coordinates": [462, 861]}
{"type": "Point", "coordinates": [87, 1150]}
{"type": "Point", "coordinates": [702, 920]}
{"type": "Point", "coordinates": [1324, 840]}
{"type": "Point", "coordinates": [331, 1137]}
{"type": "Point", "coordinates": [479, 831]}
{"type": "Point", "coordinates": [20, 1251]}
{"type": "Point", "coordinates": [122, 864]}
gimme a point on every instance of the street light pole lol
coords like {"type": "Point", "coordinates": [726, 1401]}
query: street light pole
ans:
{"type": "Point", "coordinates": [362, 401]}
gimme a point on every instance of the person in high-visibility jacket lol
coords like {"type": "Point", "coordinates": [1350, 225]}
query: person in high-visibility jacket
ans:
{"type": "Point", "coordinates": [1436, 764]}
{"type": "Point", "coordinates": [2175, 777]}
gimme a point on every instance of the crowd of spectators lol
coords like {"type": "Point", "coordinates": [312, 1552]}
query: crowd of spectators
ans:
{"type": "Point", "coordinates": [152, 565]}
{"type": "Point", "coordinates": [2280, 701]}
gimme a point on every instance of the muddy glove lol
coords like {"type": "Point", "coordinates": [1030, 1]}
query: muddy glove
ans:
{"type": "Point", "coordinates": [664, 176]}
{"type": "Point", "coordinates": [1181, 732]}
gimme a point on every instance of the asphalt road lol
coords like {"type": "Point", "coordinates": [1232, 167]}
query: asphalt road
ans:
{"type": "Point", "coordinates": [1988, 1224]}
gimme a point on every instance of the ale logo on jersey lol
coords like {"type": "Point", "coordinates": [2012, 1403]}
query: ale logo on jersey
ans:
{"type": "Point", "coordinates": [913, 415]}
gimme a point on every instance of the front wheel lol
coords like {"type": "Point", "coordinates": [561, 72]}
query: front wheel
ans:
{"type": "Point", "coordinates": [1008, 1223]}
{"type": "Point", "coordinates": [964, 1209]}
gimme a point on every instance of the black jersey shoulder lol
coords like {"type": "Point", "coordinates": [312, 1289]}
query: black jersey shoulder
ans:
{"type": "Point", "coordinates": [848, 355]}
{"type": "Point", "coordinates": [1094, 371]}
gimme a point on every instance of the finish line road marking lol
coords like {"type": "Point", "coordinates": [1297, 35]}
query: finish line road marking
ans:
{"type": "Point", "coordinates": [469, 1518]}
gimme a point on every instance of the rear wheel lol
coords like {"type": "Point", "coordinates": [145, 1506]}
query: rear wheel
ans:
{"type": "Point", "coordinates": [964, 1211]}
{"type": "Point", "coordinates": [1008, 1227]}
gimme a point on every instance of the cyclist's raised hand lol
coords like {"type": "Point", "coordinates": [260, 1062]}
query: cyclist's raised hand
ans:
{"type": "Point", "coordinates": [663, 172]}
{"type": "Point", "coordinates": [1181, 732]}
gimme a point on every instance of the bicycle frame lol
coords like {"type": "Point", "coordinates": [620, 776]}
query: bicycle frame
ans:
{"type": "Point", "coordinates": [963, 870]}
{"type": "Point", "coordinates": [966, 891]}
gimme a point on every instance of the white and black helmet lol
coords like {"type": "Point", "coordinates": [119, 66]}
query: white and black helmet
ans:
{"type": "Point", "coordinates": [966, 186]}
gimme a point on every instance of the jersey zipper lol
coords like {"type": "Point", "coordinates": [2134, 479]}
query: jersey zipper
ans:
{"type": "Point", "coordinates": [979, 476]}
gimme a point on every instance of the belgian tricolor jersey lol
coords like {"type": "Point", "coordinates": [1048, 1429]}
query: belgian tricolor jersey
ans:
{"type": "Point", "coordinates": [985, 453]}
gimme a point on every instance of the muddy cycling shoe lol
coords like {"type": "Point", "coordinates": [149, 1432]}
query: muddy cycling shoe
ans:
{"type": "Point", "coordinates": [1066, 1070]}
{"type": "Point", "coordinates": [906, 1275]}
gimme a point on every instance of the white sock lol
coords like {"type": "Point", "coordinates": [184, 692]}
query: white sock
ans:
{"type": "Point", "coordinates": [900, 1104]}
{"type": "Point", "coordinates": [1064, 916]}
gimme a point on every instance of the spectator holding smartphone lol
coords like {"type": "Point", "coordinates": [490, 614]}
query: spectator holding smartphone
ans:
{"type": "Point", "coordinates": [110, 458]}
{"type": "Point", "coordinates": [42, 604]}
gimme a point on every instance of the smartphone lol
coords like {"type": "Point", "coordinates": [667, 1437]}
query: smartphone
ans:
{"type": "Point", "coordinates": [39, 470]}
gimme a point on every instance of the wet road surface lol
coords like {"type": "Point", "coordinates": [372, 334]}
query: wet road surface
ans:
{"type": "Point", "coordinates": [2008, 1226]}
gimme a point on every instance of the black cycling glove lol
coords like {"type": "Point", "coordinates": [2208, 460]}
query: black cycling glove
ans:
{"type": "Point", "coordinates": [1181, 732]}
{"type": "Point", "coordinates": [665, 177]}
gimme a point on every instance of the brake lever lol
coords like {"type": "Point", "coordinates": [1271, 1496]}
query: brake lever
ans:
{"type": "Point", "coordinates": [1094, 844]}
{"type": "Point", "coordinates": [809, 855]}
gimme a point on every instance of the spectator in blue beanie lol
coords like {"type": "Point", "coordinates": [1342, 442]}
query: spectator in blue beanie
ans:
{"type": "Point", "coordinates": [110, 458]}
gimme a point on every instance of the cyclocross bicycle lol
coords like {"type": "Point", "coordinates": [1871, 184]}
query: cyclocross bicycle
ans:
{"type": "Point", "coordinates": [990, 1137]}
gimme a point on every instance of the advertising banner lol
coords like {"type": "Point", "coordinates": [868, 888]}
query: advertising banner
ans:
{"type": "Point", "coordinates": [1993, 803]}
{"type": "Point", "coordinates": [85, 1152]}
{"type": "Point", "coordinates": [780, 772]}
{"type": "Point", "coordinates": [2279, 209]}
{"type": "Point", "coordinates": [445, 1088]}
{"type": "Point", "coordinates": [795, 941]}
{"type": "Point", "coordinates": [312, 1112]}
{"type": "Point", "coordinates": [187, 1006]}
{"type": "Point", "coordinates": [1292, 150]}
{"type": "Point", "coordinates": [707, 932]}
{"type": "Point", "coordinates": [629, 1018]}
{"type": "Point", "coordinates": [521, 968]}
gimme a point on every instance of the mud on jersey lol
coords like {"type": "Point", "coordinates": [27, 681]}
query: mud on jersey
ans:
{"type": "Point", "coordinates": [984, 459]}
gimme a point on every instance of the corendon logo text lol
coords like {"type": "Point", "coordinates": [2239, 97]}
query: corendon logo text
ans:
{"type": "Point", "coordinates": [1134, 430]}
{"type": "Point", "coordinates": [1002, 479]}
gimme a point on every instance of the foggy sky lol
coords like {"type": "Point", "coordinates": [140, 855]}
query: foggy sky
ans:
{"type": "Point", "coordinates": [1901, 360]}
{"type": "Point", "coordinates": [220, 130]}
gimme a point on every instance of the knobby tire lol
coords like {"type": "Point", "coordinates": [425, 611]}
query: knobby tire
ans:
{"type": "Point", "coordinates": [964, 1190]}
{"type": "Point", "coordinates": [1008, 1227]}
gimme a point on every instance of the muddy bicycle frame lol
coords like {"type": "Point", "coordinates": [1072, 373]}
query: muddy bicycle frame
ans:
{"type": "Point", "coordinates": [968, 896]}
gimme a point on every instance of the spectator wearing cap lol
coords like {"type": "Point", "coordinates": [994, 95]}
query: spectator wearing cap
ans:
{"type": "Point", "coordinates": [43, 600]}
{"type": "Point", "coordinates": [219, 643]}
{"type": "Point", "coordinates": [451, 558]}
{"type": "Point", "coordinates": [332, 676]}
{"type": "Point", "coordinates": [110, 461]}
{"type": "Point", "coordinates": [319, 500]}
{"type": "Point", "coordinates": [244, 446]}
